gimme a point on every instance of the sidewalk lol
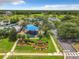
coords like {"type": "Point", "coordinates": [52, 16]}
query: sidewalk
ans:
{"type": "Point", "coordinates": [55, 45]}
{"type": "Point", "coordinates": [39, 54]}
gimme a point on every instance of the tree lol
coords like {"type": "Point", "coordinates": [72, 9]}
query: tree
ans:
{"type": "Point", "coordinates": [67, 18]}
{"type": "Point", "coordinates": [4, 33]}
{"type": "Point", "coordinates": [13, 35]}
{"type": "Point", "coordinates": [68, 30]}
{"type": "Point", "coordinates": [56, 23]}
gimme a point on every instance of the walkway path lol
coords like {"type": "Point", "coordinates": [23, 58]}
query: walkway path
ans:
{"type": "Point", "coordinates": [55, 45]}
{"type": "Point", "coordinates": [2, 53]}
{"type": "Point", "coordinates": [34, 54]}
{"type": "Point", "coordinates": [39, 54]}
{"type": "Point", "coordinates": [12, 50]}
{"type": "Point", "coordinates": [14, 46]}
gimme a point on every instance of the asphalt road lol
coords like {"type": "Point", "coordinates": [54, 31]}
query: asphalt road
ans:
{"type": "Point", "coordinates": [67, 47]}
{"type": "Point", "coordinates": [72, 57]}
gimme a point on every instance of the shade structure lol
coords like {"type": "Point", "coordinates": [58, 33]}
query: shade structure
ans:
{"type": "Point", "coordinates": [31, 27]}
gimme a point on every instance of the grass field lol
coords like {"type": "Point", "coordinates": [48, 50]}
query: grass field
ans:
{"type": "Point", "coordinates": [5, 45]}
{"type": "Point", "coordinates": [1, 57]}
{"type": "Point", "coordinates": [29, 49]}
{"type": "Point", "coordinates": [36, 57]}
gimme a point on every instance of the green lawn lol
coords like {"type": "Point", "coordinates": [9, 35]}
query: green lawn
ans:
{"type": "Point", "coordinates": [29, 49]}
{"type": "Point", "coordinates": [36, 57]}
{"type": "Point", "coordinates": [59, 46]}
{"type": "Point", "coordinates": [0, 57]}
{"type": "Point", "coordinates": [5, 45]}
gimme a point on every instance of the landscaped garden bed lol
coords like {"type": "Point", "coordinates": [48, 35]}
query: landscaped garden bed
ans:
{"type": "Point", "coordinates": [36, 57]}
{"type": "Point", "coordinates": [5, 45]}
{"type": "Point", "coordinates": [31, 49]}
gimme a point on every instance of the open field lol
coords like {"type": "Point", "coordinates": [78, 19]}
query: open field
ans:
{"type": "Point", "coordinates": [5, 45]}
{"type": "Point", "coordinates": [1, 57]}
